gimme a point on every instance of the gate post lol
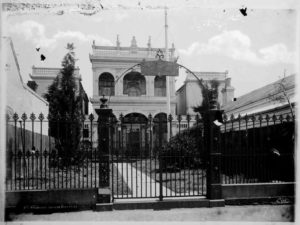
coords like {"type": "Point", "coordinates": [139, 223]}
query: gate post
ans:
{"type": "Point", "coordinates": [104, 115]}
{"type": "Point", "coordinates": [214, 188]}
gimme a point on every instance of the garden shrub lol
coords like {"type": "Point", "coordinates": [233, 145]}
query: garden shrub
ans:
{"type": "Point", "coordinates": [184, 150]}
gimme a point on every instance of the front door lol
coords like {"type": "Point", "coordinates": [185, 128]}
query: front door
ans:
{"type": "Point", "coordinates": [134, 143]}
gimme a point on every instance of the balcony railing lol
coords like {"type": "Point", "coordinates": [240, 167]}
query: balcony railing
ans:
{"type": "Point", "coordinates": [131, 53]}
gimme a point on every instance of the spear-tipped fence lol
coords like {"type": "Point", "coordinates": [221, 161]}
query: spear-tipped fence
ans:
{"type": "Point", "coordinates": [36, 158]}
{"type": "Point", "coordinates": [254, 148]}
{"type": "Point", "coordinates": [258, 148]}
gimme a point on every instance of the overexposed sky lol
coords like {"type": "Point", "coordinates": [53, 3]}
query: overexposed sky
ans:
{"type": "Point", "coordinates": [255, 49]}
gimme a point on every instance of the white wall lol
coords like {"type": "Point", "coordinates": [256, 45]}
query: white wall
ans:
{"type": "Point", "coordinates": [44, 77]}
{"type": "Point", "coordinates": [20, 98]}
{"type": "Point", "coordinates": [190, 95]}
{"type": "Point", "coordinates": [193, 96]}
{"type": "Point", "coordinates": [181, 101]}
{"type": "Point", "coordinates": [42, 86]}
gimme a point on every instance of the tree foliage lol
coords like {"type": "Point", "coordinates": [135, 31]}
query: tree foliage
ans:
{"type": "Point", "coordinates": [64, 108]}
{"type": "Point", "coordinates": [185, 149]}
{"type": "Point", "coordinates": [209, 91]}
{"type": "Point", "coordinates": [281, 94]}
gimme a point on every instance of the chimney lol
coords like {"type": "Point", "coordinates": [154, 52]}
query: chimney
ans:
{"type": "Point", "coordinates": [227, 91]}
{"type": "Point", "coordinates": [133, 42]}
{"type": "Point", "coordinates": [149, 42]}
{"type": "Point", "coordinates": [118, 42]}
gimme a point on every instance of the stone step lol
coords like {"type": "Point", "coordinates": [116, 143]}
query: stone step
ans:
{"type": "Point", "coordinates": [104, 195]}
{"type": "Point", "coordinates": [104, 207]}
{"type": "Point", "coordinates": [132, 204]}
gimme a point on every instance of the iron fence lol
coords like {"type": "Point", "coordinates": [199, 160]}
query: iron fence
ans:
{"type": "Point", "coordinates": [258, 149]}
{"type": "Point", "coordinates": [142, 162]}
{"type": "Point", "coordinates": [37, 160]}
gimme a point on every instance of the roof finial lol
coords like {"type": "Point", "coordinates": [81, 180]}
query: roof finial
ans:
{"type": "Point", "coordinates": [118, 42]}
{"type": "Point", "coordinates": [133, 42]}
{"type": "Point", "coordinates": [149, 42]}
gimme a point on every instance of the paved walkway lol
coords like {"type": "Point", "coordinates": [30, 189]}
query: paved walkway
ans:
{"type": "Point", "coordinates": [262, 213]}
{"type": "Point", "coordinates": [139, 183]}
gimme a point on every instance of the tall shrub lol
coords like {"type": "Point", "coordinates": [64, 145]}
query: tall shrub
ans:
{"type": "Point", "coordinates": [64, 108]}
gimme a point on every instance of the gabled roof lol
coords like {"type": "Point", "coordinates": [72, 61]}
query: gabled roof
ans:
{"type": "Point", "coordinates": [264, 93]}
{"type": "Point", "coordinates": [10, 43]}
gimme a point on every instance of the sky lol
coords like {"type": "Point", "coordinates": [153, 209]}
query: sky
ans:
{"type": "Point", "coordinates": [256, 49]}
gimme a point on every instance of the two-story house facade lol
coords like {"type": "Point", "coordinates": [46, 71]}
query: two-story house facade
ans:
{"type": "Point", "coordinates": [117, 76]}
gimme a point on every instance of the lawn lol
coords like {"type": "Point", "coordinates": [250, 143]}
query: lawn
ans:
{"type": "Point", "coordinates": [184, 182]}
{"type": "Point", "coordinates": [40, 176]}
{"type": "Point", "coordinates": [33, 175]}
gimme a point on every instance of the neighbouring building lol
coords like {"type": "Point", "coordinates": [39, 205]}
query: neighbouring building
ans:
{"type": "Point", "coordinates": [267, 99]}
{"type": "Point", "coordinates": [189, 94]}
{"type": "Point", "coordinates": [20, 98]}
{"type": "Point", "coordinates": [262, 126]}
{"type": "Point", "coordinates": [24, 109]}
{"type": "Point", "coordinates": [42, 78]}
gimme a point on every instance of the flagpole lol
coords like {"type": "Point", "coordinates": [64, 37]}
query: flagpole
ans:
{"type": "Point", "coordinates": [167, 77]}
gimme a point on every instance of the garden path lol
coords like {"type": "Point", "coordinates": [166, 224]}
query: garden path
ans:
{"type": "Point", "coordinates": [141, 184]}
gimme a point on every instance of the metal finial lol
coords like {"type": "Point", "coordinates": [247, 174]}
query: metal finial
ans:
{"type": "Point", "coordinates": [133, 42]}
{"type": "Point", "coordinates": [103, 101]}
{"type": "Point", "coordinates": [159, 54]}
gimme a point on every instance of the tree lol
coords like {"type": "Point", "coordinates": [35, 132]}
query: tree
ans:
{"type": "Point", "coordinates": [280, 94]}
{"type": "Point", "coordinates": [210, 93]}
{"type": "Point", "coordinates": [64, 109]}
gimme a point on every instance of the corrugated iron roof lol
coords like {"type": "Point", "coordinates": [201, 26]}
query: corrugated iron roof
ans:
{"type": "Point", "coordinates": [263, 93]}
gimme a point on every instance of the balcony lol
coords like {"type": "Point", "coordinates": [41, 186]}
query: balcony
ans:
{"type": "Point", "coordinates": [127, 52]}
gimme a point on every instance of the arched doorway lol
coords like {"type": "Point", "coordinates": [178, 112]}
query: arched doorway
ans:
{"type": "Point", "coordinates": [135, 135]}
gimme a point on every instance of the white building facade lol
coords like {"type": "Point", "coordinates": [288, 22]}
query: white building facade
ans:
{"type": "Point", "coordinates": [189, 95]}
{"type": "Point", "coordinates": [44, 77]}
{"type": "Point", "coordinates": [117, 76]}
{"type": "Point", "coordinates": [130, 92]}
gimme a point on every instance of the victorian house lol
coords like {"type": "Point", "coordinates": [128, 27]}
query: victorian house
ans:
{"type": "Point", "coordinates": [117, 75]}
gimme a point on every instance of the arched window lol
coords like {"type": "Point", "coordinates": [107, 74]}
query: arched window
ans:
{"type": "Point", "coordinates": [160, 86]}
{"type": "Point", "coordinates": [134, 84]}
{"type": "Point", "coordinates": [106, 84]}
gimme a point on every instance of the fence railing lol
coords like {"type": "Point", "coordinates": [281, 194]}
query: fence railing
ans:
{"type": "Point", "coordinates": [36, 158]}
{"type": "Point", "coordinates": [254, 149]}
{"type": "Point", "coordinates": [258, 149]}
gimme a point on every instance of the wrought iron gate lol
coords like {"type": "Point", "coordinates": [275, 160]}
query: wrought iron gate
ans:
{"type": "Point", "coordinates": [145, 165]}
